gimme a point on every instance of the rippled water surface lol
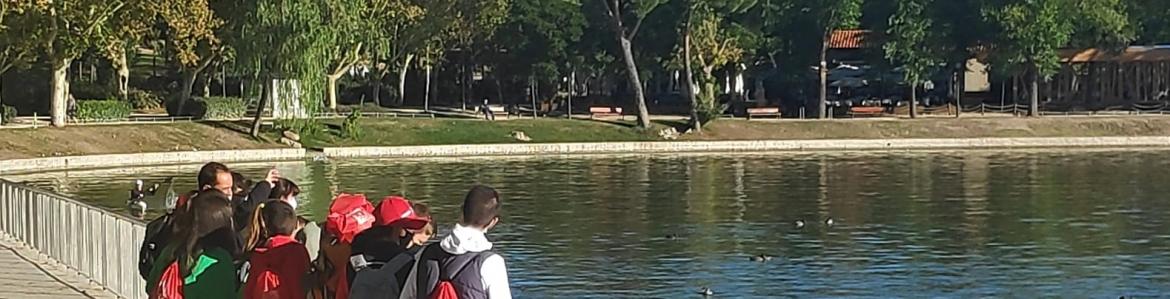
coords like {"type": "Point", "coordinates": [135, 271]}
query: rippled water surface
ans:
{"type": "Point", "coordinates": [1083, 224]}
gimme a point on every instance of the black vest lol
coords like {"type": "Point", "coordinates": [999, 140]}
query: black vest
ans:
{"type": "Point", "coordinates": [462, 271]}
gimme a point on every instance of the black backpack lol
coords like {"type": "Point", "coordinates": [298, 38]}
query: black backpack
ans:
{"type": "Point", "coordinates": [158, 232]}
{"type": "Point", "coordinates": [376, 279]}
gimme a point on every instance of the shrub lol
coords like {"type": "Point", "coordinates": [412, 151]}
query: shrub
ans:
{"type": "Point", "coordinates": [193, 107]}
{"type": "Point", "coordinates": [8, 112]}
{"type": "Point", "coordinates": [223, 108]}
{"type": "Point", "coordinates": [144, 100]}
{"type": "Point", "coordinates": [102, 110]}
{"type": "Point", "coordinates": [85, 90]}
{"type": "Point", "coordinates": [350, 128]}
{"type": "Point", "coordinates": [306, 128]}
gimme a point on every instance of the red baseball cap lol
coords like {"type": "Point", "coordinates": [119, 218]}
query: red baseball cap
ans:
{"type": "Point", "coordinates": [397, 211]}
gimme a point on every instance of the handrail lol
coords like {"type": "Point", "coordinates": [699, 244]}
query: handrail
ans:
{"type": "Point", "coordinates": [101, 245]}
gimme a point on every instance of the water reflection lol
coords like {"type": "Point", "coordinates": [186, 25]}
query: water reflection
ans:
{"type": "Point", "coordinates": [924, 224]}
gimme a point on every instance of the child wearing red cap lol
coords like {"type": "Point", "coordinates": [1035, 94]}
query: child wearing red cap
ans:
{"type": "Point", "coordinates": [384, 245]}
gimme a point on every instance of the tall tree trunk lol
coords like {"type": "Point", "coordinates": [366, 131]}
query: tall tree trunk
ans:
{"type": "Point", "coordinates": [468, 76]}
{"type": "Point", "coordinates": [186, 87]}
{"type": "Point", "coordinates": [823, 74]}
{"type": "Point", "coordinates": [2, 122]}
{"type": "Point", "coordinates": [331, 89]}
{"type": "Point", "coordinates": [59, 96]}
{"type": "Point", "coordinates": [427, 93]}
{"type": "Point", "coordinates": [123, 75]}
{"type": "Point", "coordinates": [500, 89]}
{"type": "Point", "coordinates": [265, 93]}
{"type": "Point", "coordinates": [463, 87]}
{"type": "Point", "coordinates": [914, 99]}
{"type": "Point", "coordinates": [962, 89]}
{"type": "Point", "coordinates": [187, 84]}
{"type": "Point", "coordinates": [689, 80]}
{"type": "Point", "coordinates": [1034, 92]}
{"type": "Point", "coordinates": [378, 89]}
{"type": "Point", "coordinates": [634, 81]}
{"type": "Point", "coordinates": [206, 92]}
{"type": "Point", "coordinates": [402, 79]}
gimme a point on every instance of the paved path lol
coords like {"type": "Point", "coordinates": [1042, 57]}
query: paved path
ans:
{"type": "Point", "coordinates": [24, 274]}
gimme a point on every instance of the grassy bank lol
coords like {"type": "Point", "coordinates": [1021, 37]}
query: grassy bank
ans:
{"type": "Point", "coordinates": [390, 132]}
{"type": "Point", "coordinates": [937, 128]}
{"type": "Point", "coordinates": [85, 140]}
{"type": "Point", "coordinates": [121, 139]}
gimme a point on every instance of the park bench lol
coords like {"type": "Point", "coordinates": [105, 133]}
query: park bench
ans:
{"type": "Point", "coordinates": [866, 111]}
{"type": "Point", "coordinates": [498, 111]}
{"type": "Point", "coordinates": [600, 111]}
{"type": "Point", "coordinates": [763, 111]}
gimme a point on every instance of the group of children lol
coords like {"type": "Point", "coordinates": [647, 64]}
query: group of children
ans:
{"type": "Point", "coordinates": [201, 249]}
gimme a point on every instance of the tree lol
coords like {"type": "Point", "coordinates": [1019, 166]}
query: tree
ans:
{"type": "Point", "coordinates": [625, 20]}
{"type": "Point", "coordinates": [280, 42]}
{"type": "Point", "coordinates": [537, 40]}
{"type": "Point", "coordinates": [348, 31]}
{"type": "Point", "coordinates": [708, 43]}
{"type": "Point", "coordinates": [18, 44]}
{"type": "Point", "coordinates": [475, 24]}
{"type": "Point", "coordinates": [429, 56]}
{"type": "Point", "coordinates": [1149, 18]}
{"type": "Point", "coordinates": [1031, 32]}
{"type": "Point", "coordinates": [66, 29]}
{"type": "Point", "coordinates": [193, 31]}
{"type": "Point", "coordinates": [395, 41]}
{"type": "Point", "coordinates": [830, 15]}
{"type": "Point", "coordinates": [909, 44]}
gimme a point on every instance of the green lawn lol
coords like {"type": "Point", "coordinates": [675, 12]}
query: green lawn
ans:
{"type": "Point", "coordinates": [402, 131]}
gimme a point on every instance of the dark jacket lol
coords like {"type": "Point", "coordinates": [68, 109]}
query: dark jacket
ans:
{"type": "Point", "coordinates": [244, 206]}
{"type": "Point", "coordinates": [376, 249]}
{"type": "Point", "coordinates": [463, 271]}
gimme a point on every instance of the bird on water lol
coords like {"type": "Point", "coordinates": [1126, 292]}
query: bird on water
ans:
{"type": "Point", "coordinates": [705, 291]}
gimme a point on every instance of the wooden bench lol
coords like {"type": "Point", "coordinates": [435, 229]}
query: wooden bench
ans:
{"type": "Point", "coordinates": [598, 111]}
{"type": "Point", "coordinates": [497, 111]}
{"type": "Point", "coordinates": [763, 111]}
{"type": "Point", "coordinates": [866, 111]}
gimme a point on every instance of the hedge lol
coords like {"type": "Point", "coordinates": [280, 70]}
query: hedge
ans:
{"type": "Point", "coordinates": [144, 100]}
{"type": "Point", "coordinates": [224, 108]}
{"type": "Point", "coordinates": [102, 110]}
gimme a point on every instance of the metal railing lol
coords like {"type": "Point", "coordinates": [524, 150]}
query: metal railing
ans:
{"type": "Point", "coordinates": [100, 245]}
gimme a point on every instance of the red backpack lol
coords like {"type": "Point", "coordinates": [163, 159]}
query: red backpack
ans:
{"type": "Point", "coordinates": [170, 284]}
{"type": "Point", "coordinates": [444, 290]}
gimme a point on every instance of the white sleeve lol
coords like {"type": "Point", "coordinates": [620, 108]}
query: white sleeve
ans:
{"type": "Point", "coordinates": [494, 274]}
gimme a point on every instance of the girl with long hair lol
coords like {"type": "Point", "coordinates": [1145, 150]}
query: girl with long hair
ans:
{"type": "Point", "coordinates": [198, 262]}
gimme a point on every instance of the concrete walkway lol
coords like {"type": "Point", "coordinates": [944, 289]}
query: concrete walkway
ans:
{"type": "Point", "coordinates": [25, 274]}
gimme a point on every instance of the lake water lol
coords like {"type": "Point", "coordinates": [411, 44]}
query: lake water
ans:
{"type": "Point", "coordinates": [1076, 224]}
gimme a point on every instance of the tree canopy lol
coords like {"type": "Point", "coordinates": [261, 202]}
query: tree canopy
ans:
{"type": "Point", "coordinates": [635, 54]}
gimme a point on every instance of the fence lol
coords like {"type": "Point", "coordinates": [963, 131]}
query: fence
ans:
{"type": "Point", "coordinates": [1021, 109]}
{"type": "Point", "coordinates": [101, 245]}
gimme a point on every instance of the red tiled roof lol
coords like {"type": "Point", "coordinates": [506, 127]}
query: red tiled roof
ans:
{"type": "Point", "coordinates": [848, 39]}
{"type": "Point", "coordinates": [1130, 54]}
